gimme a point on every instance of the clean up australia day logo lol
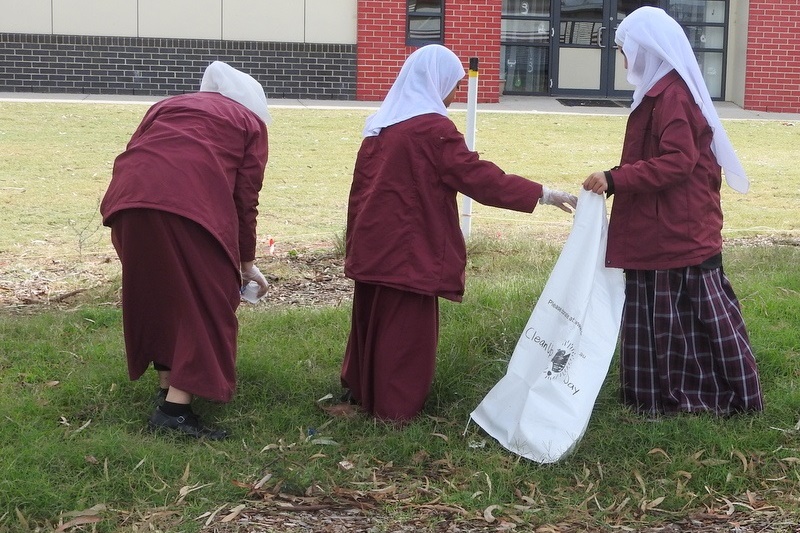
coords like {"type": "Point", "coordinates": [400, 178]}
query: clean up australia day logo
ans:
{"type": "Point", "coordinates": [561, 358]}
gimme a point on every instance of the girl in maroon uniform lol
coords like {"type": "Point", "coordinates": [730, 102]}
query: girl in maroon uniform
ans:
{"type": "Point", "coordinates": [684, 345]}
{"type": "Point", "coordinates": [182, 209]}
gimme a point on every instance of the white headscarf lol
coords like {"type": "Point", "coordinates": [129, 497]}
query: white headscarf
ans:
{"type": "Point", "coordinates": [222, 78]}
{"type": "Point", "coordinates": [427, 77]}
{"type": "Point", "coordinates": [654, 44]}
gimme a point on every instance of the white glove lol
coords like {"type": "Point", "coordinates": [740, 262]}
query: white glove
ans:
{"type": "Point", "coordinates": [252, 273]}
{"type": "Point", "coordinates": [559, 199]}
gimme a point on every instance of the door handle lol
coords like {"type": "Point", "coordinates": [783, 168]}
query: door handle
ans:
{"type": "Point", "coordinates": [600, 36]}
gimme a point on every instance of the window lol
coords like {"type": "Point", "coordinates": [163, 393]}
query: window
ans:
{"type": "Point", "coordinates": [425, 22]}
{"type": "Point", "coordinates": [525, 46]}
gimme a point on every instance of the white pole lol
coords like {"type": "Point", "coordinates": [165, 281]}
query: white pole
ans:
{"type": "Point", "coordinates": [469, 137]}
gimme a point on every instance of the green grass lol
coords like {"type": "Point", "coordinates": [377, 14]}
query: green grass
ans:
{"type": "Point", "coordinates": [72, 435]}
{"type": "Point", "coordinates": [56, 159]}
{"type": "Point", "coordinates": [72, 431]}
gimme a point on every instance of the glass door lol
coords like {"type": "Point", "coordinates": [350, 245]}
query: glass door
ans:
{"type": "Point", "coordinates": [706, 26]}
{"type": "Point", "coordinates": [616, 74]}
{"type": "Point", "coordinates": [582, 39]}
{"type": "Point", "coordinates": [586, 59]}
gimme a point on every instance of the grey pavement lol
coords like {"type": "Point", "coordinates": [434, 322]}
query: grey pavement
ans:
{"type": "Point", "coordinates": [507, 104]}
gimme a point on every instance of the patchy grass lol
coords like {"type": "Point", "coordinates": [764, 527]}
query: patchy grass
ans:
{"type": "Point", "coordinates": [73, 436]}
{"type": "Point", "coordinates": [73, 442]}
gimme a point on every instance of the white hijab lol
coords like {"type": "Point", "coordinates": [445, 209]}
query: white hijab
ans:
{"type": "Point", "coordinates": [222, 78]}
{"type": "Point", "coordinates": [654, 44]}
{"type": "Point", "coordinates": [427, 77]}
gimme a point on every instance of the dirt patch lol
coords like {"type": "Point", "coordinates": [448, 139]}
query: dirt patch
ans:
{"type": "Point", "coordinates": [363, 517]}
{"type": "Point", "coordinates": [307, 277]}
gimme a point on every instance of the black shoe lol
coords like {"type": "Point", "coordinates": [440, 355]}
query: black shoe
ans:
{"type": "Point", "coordinates": [347, 397]}
{"type": "Point", "coordinates": [160, 397]}
{"type": "Point", "coordinates": [187, 424]}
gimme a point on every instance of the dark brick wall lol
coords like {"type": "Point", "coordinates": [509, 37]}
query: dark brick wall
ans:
{"type": "Point", "coordinates": [159, 67]}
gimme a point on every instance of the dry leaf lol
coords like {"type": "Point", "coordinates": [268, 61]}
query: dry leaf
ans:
{"type": "Point", "coordinates": [81, 520]}
{"type": "Point", "coordinates": [445, 509]}
{"type": "Point", "coordinates": [714, 462]}
{"type": "Point", "coordinates": [487, 513]}
{"type": "Point", "coordinates": [640, 479]}
{"type": "Point", "coordinates": [84, 426]}
{"type": "Point", "coordinates": [234, 513]}
{"type": "Point", "coordinates": [91, 511]}
{"type": "Point", "coordinates": [324, 442]}
{"type": "Point", "coordinates": [21, 518]}
{"type": "Point", "coordinates": [622, 505]}
{"type": "Point", "coordinates": [212, 515]}
{"type": "Point", "coordinates": [441, 436]}
{"type": "Point", "coordinates": [730, 509]}
{"type": "Point", "coordinates": [742, 458]}
{"type": "Point", "coordinates": [659, 450]}
{"type": "Point", "coordinates": [185, 491]}
{"type": "Point", "coordinates": [260, 482]}
{"type": "Point", "coordinates": [419, 457]}
{"type": "Point", "coordinates": [582, 505]}
{"type": "Point", "coordinates": [341, 410]}
{"type": "Point", "coordinates": [655, 503]}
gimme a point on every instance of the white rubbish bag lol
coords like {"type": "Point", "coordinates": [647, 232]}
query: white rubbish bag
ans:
{"type": "Point", "coordinates": [541, 407]}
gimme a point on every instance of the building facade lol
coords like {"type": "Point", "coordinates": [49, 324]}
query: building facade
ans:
{"type": "Point", "coordinates": [297, 49]}
{"type": "Point", "coordinates": [748, 50]}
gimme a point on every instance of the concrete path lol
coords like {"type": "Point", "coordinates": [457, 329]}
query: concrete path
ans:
{"type": "Point", "coordinates": [507, 104]}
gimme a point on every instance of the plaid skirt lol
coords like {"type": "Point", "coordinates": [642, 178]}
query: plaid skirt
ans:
{"type": "Point", "coordinates": [684, 345]}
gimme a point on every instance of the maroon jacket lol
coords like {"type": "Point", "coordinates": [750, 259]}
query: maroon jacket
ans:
{"type": "Point", "coordinates": [403, 222]}
{"type": "Point", "coordinates": [201, 156]}
{"type": "Point", "coordinates": [666, 211]}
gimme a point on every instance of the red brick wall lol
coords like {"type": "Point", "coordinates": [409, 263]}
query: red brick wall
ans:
{"type": "Point", "coordinates": [772, 82]}
{"type": "Point", "coordinates": [472, 29]}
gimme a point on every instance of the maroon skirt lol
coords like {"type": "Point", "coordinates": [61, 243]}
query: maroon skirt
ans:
{"type": "Point", "coordinates": [391, 352]}
{"type": "Point", "coordinates": [684, 344]}
{"type": "Point", "coordinates": [180, 293]}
